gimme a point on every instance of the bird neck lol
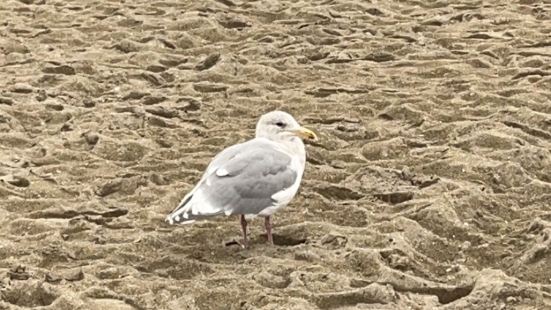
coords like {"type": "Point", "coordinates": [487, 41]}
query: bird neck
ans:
{"type": "Point", "coordinates": [294, 145]}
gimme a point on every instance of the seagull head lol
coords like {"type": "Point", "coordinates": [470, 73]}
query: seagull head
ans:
{"type": "Point", "coordinates": [278, 125]}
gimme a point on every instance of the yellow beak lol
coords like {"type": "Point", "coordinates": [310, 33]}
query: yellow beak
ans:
{"type": "Point", "coordinates": [305, 133]}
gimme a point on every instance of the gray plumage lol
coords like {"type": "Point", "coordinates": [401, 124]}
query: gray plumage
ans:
{"type": "Point", "coordinates": [256, 177]}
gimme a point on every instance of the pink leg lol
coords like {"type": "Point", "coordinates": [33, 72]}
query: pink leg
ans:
{"type": "Point", "coordinates": [244, 228]}
{"type": "Point", "coordinates": [268, 225]}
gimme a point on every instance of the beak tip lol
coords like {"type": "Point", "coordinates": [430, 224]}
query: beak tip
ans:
{"type": "Point", "coordinates": [308, 134]}
{"type": "Point", "coordinates": [304, 134]}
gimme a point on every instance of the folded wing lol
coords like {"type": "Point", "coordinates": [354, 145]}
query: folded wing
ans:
{"type": "Point", "coordinates": [243, 179]}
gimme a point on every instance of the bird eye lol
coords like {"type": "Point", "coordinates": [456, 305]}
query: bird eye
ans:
{"type": "Point", "coordinates": [280, 124]}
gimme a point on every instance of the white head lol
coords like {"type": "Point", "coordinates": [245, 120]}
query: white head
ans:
{"type": "Point", "coordinates": [279, 125]}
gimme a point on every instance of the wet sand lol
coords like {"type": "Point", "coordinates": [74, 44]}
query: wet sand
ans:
{"type": "Point", "coordinates": [430, 186]}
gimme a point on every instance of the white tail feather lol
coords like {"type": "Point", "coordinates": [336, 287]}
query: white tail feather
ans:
{"type": "Point", "coordinates": [193, 206]}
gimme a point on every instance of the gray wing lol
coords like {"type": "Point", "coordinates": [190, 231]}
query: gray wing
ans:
{"type": "Point", "coordinates": [240, 180]}
{"type": "Point", "coordinates": [246, 182]}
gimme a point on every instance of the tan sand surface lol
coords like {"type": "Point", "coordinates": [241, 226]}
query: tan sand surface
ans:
{"type": "Point", "coordinates": [430, 187]}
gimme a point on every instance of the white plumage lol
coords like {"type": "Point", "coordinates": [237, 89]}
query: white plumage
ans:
{"type": "Point", "coordinates": [256, 177]}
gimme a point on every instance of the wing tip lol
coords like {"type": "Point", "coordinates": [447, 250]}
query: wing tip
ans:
{"type": "Point", "coordinates": [173, 218]}
{"type": "Point", "coordinates": [169, 220]}
{"type": "Point", "coordinates": [181, 213]}
{"type": "Point", "coordinates": [178, 219]}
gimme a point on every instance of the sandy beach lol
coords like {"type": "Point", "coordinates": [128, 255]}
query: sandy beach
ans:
{"type": "Point", "coordinates": [429, 188]}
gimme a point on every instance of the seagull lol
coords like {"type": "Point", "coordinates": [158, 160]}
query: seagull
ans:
{"type": "Point", "coordinates": [253, 178]}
